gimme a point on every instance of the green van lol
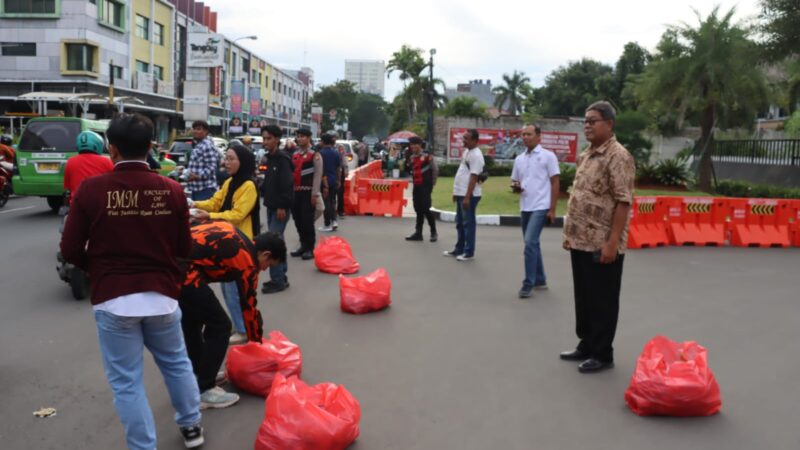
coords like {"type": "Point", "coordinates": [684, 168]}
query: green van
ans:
{"type": "Point", "coordinates": [44, 147]}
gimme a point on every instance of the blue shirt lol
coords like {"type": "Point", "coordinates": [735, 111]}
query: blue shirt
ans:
{"type": "Point", "coordinates": [331, 161]}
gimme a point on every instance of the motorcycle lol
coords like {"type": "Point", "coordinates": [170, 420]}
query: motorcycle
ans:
{"type": "Point", "coordinates": [77, 279]}
{"type": "Point", "coordinates": [6, 171]}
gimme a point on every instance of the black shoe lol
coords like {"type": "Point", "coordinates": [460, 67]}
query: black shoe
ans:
{"type": "Point", "coordinates": [417, 236]}
{"type": "Point", "coordinates": [434, 236]}
{"type": "Point", "coordinates": [298, 252]}
{"type": "Point", "coordinates": [527, 292]}
{"type": "Point", "coordinates": [308, 254]}
{"type": "Point", "coordinates": [192, 436]}
{"type": "Point", "coordinates": [592, 365]}
{"type": "Point", "coordinates": [267, 284]}
{"type": "Point", "coordinates": [274, 287]}
{"type": "Point", "coordinates": [574, 355]}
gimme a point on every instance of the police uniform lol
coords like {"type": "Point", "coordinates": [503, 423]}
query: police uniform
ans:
{"type": "Point", "coordinates": [424, 173]}
{"type": "Point", "coordinates": [307, 175]}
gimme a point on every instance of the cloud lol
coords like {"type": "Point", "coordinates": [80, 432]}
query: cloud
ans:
{"type": "Point", "coordinates": [473, 38]}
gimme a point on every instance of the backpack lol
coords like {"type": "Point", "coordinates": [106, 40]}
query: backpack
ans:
{"type": "Point", "coordinates": [483, 176]}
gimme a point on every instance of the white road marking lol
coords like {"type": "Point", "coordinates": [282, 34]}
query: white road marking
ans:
{"type": "Point", "coordinates": [16, 209]}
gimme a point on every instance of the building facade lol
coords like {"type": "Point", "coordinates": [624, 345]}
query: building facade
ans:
{"type": "Point", "coordinates": [480, 89]}
{"type": "Point", "coordinates": [368, 75]}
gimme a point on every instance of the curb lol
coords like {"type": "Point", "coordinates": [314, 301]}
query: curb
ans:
{"type": "Point", "coordinates": [492, 219]}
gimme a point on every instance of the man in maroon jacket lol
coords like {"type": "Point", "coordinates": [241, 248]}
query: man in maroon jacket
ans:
{"type": "Point", "coordinates": [127, 229]}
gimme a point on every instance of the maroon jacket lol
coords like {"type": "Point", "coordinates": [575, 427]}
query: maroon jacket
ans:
{"type": "Point", "coordinates": [136, 224]}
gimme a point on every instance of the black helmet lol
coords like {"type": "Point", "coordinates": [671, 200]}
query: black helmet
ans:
{"type": "Point", "coordinates": [6, 140]}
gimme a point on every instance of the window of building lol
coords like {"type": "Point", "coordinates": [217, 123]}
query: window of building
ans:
{"type": "Point", "coordinates": [30, 7]}
{"type": "Point", "coordinates": [142, 27]}
{"type": "Point", "coordinates": [116, 71]}
{"type": "Point", "coordinates": [273, 85]}
{"type": "Point", "coordinates": [18, 48]}
{"type": "Point", "coordinates": [142, 66]}
{"type": "Point", "coordinates": [81, 57]}
{"type": "Point", "coordinates": [158, 33]}
{"type": "Point", "coordinates": [158, 72]}
{"type": "Point", "coordinates": [112, 13]}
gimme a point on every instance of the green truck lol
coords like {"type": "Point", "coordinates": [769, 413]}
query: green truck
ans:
{"type": "Point", "coordinates": [43, 150]}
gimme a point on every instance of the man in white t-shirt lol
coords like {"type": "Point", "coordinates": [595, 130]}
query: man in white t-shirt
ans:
{"type": "Point", "coordinates": [535, 179]}
{"type": "Point", "coordinates": [466, 195]}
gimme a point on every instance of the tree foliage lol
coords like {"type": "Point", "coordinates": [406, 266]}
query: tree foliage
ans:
{"type": "Point", "coordinates": [780, 27]}
{"type": "Point", "coordinates": [464, 106]}
{"type": "Point", "coordinates": [516, 87]}
{"type": "Point", "coordinates": [628, 128]}
{"type": "Point", "coordinates": [632, 62]}
{"type": "Point", "coordinates": [364, 113]}
{"type": "Point", "coordinates": [569, 89]}
{"type": "Point", "coordinates": [706, 73]}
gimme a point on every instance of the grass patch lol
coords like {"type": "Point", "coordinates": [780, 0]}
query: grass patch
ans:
{"type": "Point", "coordinates": [497, 197]}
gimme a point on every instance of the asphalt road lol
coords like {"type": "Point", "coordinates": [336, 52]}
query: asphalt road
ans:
{"type": "Point", "coordinates": [457, 362]}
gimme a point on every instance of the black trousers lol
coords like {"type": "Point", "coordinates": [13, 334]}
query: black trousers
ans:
{"type": "Point", "coordinates": [330, 206]}
{"type": "Point", "coordinates": [597, 288]}
{"type": "Point", "coordinates": [303, 213]}
{"type": "Point", "coordinates": [421, 195]}
{"type": "Point", "coordinates": [206, 329]}
{"type": "Point", "coordinates": [340, 196]}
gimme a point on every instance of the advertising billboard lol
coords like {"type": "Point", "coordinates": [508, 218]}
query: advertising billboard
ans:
{"type": "Point", "coordinates": [506, 144]}
{"type": "Point", "coordinates": [205, 50]}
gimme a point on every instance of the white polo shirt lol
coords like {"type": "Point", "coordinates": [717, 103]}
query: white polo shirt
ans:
{"type": "Point", "coordinates": [473, 158]}
{"type": "Point", "coordinates": [533, 170]}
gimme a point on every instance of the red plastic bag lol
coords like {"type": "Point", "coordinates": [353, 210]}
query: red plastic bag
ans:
{"type": "Point", "coordinates": [252, 367]}
{"type": "Point", "coordinates": [673, 379]}
{"type": "Point", "coordinates": [361, 295]}
{"type": "Point", "coordinates": [333, 255]}
{"type": "Point", "coordinates": [301, 417]}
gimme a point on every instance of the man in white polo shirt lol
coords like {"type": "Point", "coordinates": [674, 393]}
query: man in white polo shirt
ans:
{"type": "Point", "coordinates": [535, 179]}
{"type": "Point", "coordinates": [466, 195]}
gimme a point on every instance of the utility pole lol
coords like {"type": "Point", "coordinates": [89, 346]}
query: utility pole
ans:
{"type": "Point", "coordinates": [431, 92]}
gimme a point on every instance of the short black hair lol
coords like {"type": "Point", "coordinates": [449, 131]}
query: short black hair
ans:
{"type": "Point", "coordinates": [200, 124]}
{"type": "Point", "coordinates": [303, 132]}
{"type": "Point", "coordinates": [536, 128]}
{"type": "Point", "coordinates": [415, 140]}
{"type": "Point", "coordinates": [271, 242]}
{"type": "Point", "coordinates": [131, 134]}
{"type": "Point", "coordinates": [328, 139]}
{"type": "Point", "coordinates": [272, 130]}
{"type": "Point", "coordinates": [473, 133]}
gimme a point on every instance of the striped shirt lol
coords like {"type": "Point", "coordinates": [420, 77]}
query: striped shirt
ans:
{"type": "Point", "coordinates": [204, 163]}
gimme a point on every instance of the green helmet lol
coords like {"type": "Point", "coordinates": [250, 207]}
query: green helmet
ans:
{"type": "Point", "coordinates": [89, 141]}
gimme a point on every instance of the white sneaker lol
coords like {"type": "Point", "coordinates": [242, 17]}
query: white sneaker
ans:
{"type": "Point", "coordinates": [216, 398]}
{"type": "Point", "coordinates": [237, 338]}
{"type": "Point", "coordinates": [335, 225]}
{"type": "Point", "coordinates": [464, 258]}
{"type": "Point", "coordinates": [192, 436]}
{"type": "Point", "coordinates": [326, 229]}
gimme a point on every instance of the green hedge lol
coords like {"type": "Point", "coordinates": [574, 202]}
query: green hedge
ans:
{"type": "Point", "coordinates": [732, 188]}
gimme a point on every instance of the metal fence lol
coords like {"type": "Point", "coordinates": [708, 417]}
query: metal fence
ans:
{"type": "Point", "coordinates": [775, 152]}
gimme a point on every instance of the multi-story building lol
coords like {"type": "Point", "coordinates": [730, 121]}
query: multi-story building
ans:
{"type": "Point", "coordinates": [367, 75]}
{"type": "Point", "coordinates": [131, 55]}
{"type": "Point", "coordinates": [480, 89]}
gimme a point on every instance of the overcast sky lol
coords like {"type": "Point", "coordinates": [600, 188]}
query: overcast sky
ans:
{"type": "Point", "coordinates": [473, 39]}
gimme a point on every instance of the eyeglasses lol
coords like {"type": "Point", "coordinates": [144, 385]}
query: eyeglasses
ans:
{"type": "Point", "coordinates": [591, 122]}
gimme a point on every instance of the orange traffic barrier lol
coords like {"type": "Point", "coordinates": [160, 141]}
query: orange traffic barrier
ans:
{"type": "Point", "coordinates": [379, 197]}
{"type": "Point", "coordinates": [647, 227]}
{"type": "Point", "coordinates": [695, 220]}
{"type": "Point", "coordinates": [758, 222]}
{"type": "Point", "coordinates": [794, 226]}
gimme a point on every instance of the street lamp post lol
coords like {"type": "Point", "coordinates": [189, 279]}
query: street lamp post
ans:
{"type": "Point", "coordinates": [431, 92]}
{"type": "Point", "coordinates": [226, 105]}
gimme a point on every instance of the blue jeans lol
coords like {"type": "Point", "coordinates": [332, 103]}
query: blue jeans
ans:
{"type": "Point", "coordinates": [203, 194]}
{"type": "Point", "coordinates": [230, 292]}
{"type": "Point", "coordinates": [465, 226]}
{"type": "Point", "coordinates": [532, 224]}
{"type": "Point", "coordinates": [278, 273]}
{"type": "Point", "coordinates": [122, 341]}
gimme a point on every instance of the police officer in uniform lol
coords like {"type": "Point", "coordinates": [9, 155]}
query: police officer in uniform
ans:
{"type": "Point", "coordinates": [424, 173]}
{"type": "Point", "coordinates": [307, 179]}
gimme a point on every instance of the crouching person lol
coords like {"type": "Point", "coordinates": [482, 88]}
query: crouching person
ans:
{"type": "Point", "coordinates": [220, 253]}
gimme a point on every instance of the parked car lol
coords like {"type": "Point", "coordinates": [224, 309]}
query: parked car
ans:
{"type": "Point", "coordinates": [221, 144]}
{"type": "Point", "coordinates": [350, 155]}
{"type": "Point", "coordinates": [510, 150]}
{"type": "Point", "coordinates": [181, 150]}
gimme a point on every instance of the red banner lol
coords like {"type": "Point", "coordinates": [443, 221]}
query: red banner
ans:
{"type": "Point", "coordinates": [505, 144]}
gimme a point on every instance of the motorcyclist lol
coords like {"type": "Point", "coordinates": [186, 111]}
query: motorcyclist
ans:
{"type": "Point", "coordinates": [7, 153]}
{"type": "Point", "coordinates": [88, 162]}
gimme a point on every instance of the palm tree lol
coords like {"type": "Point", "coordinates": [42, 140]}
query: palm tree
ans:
{"type": "Point", "coordinates": [706, 72]}
{"type": "Point", "coordinates": [515, 90]}
{"type": "Point", "coordinates": [408, 61]}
